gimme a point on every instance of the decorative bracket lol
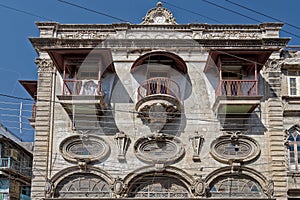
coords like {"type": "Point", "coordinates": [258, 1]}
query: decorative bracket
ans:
{"type": "Point", "coordinates": [122, 141]}
{"type": "Point", "coordinates": [197, 143]}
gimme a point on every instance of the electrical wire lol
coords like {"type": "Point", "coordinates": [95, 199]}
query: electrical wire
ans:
{"type": "Point", "coordinates": [263, 14]}
{"type": "Point", "coordinates": [93, 11]}
{"type": "Point", "coordinates": [189, 11]}
{"type": "Point", "coordinates": [246, 16]}
{"type": "Point", "coordinates": [25, 12]}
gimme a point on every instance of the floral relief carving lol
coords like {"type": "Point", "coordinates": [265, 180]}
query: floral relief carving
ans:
{"type": "Point", "coordinates": [273, 65]}
{"type": "Point", "coordinates": [44, 65]}
{"type": "Point", "coordinates": [232, 35]}
{"type": "Point", "coordinates": [85, 34]}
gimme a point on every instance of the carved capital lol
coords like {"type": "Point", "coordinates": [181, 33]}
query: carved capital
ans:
{"type": "Point", "coordinates": [45, 65]}
{"type": "Point", "coordinates": [273, 65]}
{"type": "Point", "coordinates": [48, 188]}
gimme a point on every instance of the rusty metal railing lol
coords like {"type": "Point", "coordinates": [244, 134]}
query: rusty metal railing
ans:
{"type": "Point", "coordinates": [237, 88]}
{"type": "Point", "coordinates": [158, 85]}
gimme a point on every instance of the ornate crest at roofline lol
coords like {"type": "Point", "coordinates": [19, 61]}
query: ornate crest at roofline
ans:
{"type": "Point", "coordinates": [159, 15]}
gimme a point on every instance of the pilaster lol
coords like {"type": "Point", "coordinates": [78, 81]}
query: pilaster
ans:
{"type": "Point", "coordinates": [43, 134]}
{"type": "Point", "coordinates": [275, 129]}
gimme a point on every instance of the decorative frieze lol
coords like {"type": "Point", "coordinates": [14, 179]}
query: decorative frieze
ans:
{"type": "Point", "coordinates": [235, 34]}
{"type": "Point", "coordinates": [84, 34]}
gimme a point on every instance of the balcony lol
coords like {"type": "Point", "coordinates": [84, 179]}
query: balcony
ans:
{"type": "Point", "coordinates": [82, 70]}
{"type": "Point", "coordinates": [158, 100]}
{"type": "Point", "coordinates": [10, 165]}
{"type": "Point", "coordinates": [236, 97]}
{"type": "Point", "coordinates": [83, 101]}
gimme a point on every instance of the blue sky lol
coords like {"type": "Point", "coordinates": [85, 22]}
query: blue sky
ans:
{"type": "Point", "coordinates": [17, 54]}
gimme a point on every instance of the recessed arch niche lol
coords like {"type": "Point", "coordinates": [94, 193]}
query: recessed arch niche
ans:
{"type": "Point", "coordinates": [74, 183]}
{"type": "Point", "coordinates": [238, 182]}
{"type": "Point", "coordinates": [149, 182]}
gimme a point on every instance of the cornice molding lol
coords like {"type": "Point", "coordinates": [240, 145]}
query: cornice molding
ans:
{"type": "Point", "coordinates": [40, 44]}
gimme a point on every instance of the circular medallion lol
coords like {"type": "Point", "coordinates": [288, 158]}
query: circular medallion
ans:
{"type": "Point", "coordinates": [86, 148]}
{"type": "Point", "coordinates": [159, 149]}
{"type": "Point", "coordinates": [241, 149]}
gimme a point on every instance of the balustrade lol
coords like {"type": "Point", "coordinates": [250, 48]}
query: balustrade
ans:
{"type": "Point", "coordinates": [237, 88]}
{"type": "Point", "coordinates": [158, 85]}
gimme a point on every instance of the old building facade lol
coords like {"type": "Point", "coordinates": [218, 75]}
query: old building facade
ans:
{"type": "Point", "coordinates": [15, 166]}
{"type": "Point", "coordinates": [165, 110]}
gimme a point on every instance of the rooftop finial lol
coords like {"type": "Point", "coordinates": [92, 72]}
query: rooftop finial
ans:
{"type": "Point", "coordinates": [159, 15]}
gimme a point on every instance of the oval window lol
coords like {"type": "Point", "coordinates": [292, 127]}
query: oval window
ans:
{"type": "Point", "coordinates": [88, 148]}
{"type": "Point", "coordinates": [241, 149]}
{"type": "Point", "coordinates": [166, 149]}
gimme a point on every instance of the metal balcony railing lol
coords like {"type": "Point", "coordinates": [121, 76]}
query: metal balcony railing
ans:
{"type": "Point", "coordinates": [81, 87]}
{"type": "Point", "coordinates": [158, 85]}
{"type": "Point", "coordinates": [237, 88]}
{"type": "Point", "coordinates": [10, 163]}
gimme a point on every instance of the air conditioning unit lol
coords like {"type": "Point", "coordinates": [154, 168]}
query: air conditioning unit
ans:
{"type": "Point", "coordinates": [13, 153]}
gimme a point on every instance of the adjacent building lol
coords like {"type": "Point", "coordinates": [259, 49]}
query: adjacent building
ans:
{"type": "Point", "coordinates": [15, 167]}
{"type": "Point", "coordinates": [165, 110]}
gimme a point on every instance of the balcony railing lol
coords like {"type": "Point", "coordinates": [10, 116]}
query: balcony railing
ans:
{"type": "Point", "coordinates": [9, 163]}
{"type": "Point", "coordinates": [81, 87]}
{"type": "Point", "coordinates": [237, 88]}
{"type": "Point", "coordinates": [158, 85]}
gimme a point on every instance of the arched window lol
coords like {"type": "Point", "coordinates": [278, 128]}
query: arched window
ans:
{"type": "Point", "coordinates": [236, 186]}
{"type": "Point", "coordinates": [294, 148]}
{"type": "Point", "coordinates": [158, 187]}
{"type": "Point", "coordinates": [83, 185]}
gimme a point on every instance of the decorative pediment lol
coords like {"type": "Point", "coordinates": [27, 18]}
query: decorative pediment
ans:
{"type": "Point", "coordinates": [159, 15]}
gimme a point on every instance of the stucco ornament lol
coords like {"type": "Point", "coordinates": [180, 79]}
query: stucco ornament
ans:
{"type": "Point", "coordinates": [273, 65]}
{"type": "Point", "coordinates": [118, 187]}
{"type": "Point", "coordinates": [44, 65]}
{"type": "Point", "coordinates": [159, 15]}
{"type": "Point", "coordinates": [199, 187]}
{"type": "Point", "coordinates": [234, 147]}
